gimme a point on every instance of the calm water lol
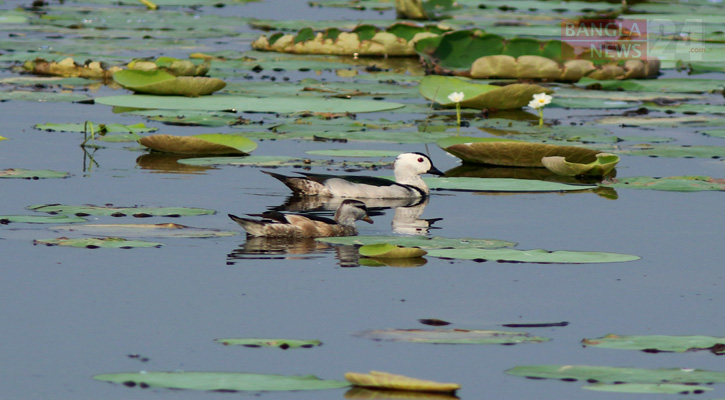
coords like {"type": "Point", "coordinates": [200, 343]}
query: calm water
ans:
{"type": "Point", "coordinates": [69, 314]}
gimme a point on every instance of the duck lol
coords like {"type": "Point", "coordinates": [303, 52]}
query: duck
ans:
{"type": "Point", "coordinates": [281, 225]}
{"type": "Point", "coordinates": [408, 184]}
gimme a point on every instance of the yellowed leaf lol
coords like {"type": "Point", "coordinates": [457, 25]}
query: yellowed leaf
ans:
{"type": "Point", "coordinates": [385, 380]}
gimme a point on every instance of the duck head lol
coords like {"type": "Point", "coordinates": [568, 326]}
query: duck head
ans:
{"type": "Point", "coordinates": [408, 165]}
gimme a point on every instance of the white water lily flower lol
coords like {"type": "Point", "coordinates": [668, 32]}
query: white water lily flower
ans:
{"type": "Point", "coordinates": [540, 100]}
{"type": "Point", "coordinates": [456, 97]}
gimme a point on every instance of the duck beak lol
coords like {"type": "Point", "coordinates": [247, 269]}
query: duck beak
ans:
{"type": "Point", "coordinates": [435, 171]}
{"type": "Point", "coordinates": [367, 219]}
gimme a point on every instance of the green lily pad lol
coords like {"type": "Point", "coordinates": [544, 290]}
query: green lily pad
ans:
{"type": "Point", "coordinates": [208, 143]}
{"type": "Point", "coordinates": [451, 336]}
{"type": "Point", "coordinates": [143, 230]}
{"type": "Point", "coordinates": [40, 219]}
{"type": "Point", "coordinates": [512, 153]}
{"type": "Point", "coordinates": [656, 343]}
{"type": "Point", "coordinates": [715, 152]}
{"type": "Point", "coordinates": [387, 250]}
{"type": "Point", "coordinates": [666, 85]}
{"type": "Point", "coordinates": [667, 388]}
{"type": "Point", "coordinates": [602, 166]}
{"type": "Point", "coordinates": [532, 256]}
{"type": "Point", "coordinates": [421, 241]}
{"type": "Point", "coordinates": [31, 174]}
{"type": "Point", "coordinates": [281, 105]}
{"type": "Point", "coordinates": [283, 344]}
{"type": "Point", "coordinates": [354, 153]}
{"type": "Point", "coordinates": [502, 185]}
{"type": "Point", "coordinates": [95, 243]}
{"type": "Point", "coordinates": [160, 82]}
{"type": "Point", "coordinates": [714, 133]}
{"type": "Point", "coordinates": [139, 212]}
{"type": "Point", "coordinates": [694, 120]}
{"type": "Point", "coordinates": [670, 184]}
{"type": "Point", "coordinates": [478, 96]}
{"type": "Point", "coordinates": [603, 374]}
{"type": "Point", "coordinates": [173, 66]}
{"type": "Point", "coordinates": [222, 381]}
{"type": "Point", "coordinates": [260, 161]}
{"type": "Point", "coordinates": [105, 128]}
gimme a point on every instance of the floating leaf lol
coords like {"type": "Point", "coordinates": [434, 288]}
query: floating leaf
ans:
{"type": "Point", "coordinates": [31, 174]}
{"type": "Point", "coordinates": [95, 243]}
{"type": "Point", "coordinates": [68, 68]}
{"type": "Point", "coordinates": [694, 120]}
{"type": "Point", "coordinates": [235, 381]}
{"type": "Point", "coordinates": [173, 66]}
{"type": "Point", "coordinates": [451, 336]}
{"type": "Point", "coordinates": [160, 82]}
{"type": "Point", "coordinates": [671, 183]}
{"type": "Point", "coordinates": [602, 166]}
{"type": "Point", "coordinates": [667, 388]}
{"type": "Point", "coordinates": [281, 105]}
{"type": "Point", "coordinates": [421, 241]}
{"type": "Point", "coordinates": [40, 219]}
{"type": "Point", "coordinates": [208, 143]}
{"type": "Point", "coordinates": [502, 185]}
{"type": "Point", "coordinates": [666, 85]}
{"type": "Point", "coordinates": [655, 343]}
{"type": "Point", "coordinates": [109, 128]}
{"type": "Point", "coordinates": [617, 374]}
{"type": "Point", "coordinates": [512, 153]}
{"type": "Point", "coordinates": [260, 161]}
{"type": "Point", "coordinates": [674, 151]}
{"type": "Point", "coordinates": [139, 212]}
{"type": "Point", "coordinates": [354, 153]}
{"type": "Point", "coordinates": [533, 256]}
{"type": "Point", "coordinates": [283, 344]}
{"type": "Point", "coordinates": [385, 380]}
{"type": "Point", "coordinates": [144, 230]}
{"type": "Point", "coordinates": [517, 95]}
{"type": "Point", "coordinates": [387, 250]}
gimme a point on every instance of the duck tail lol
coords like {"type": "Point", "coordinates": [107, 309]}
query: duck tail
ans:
{"type": "Point", "coordinates": [253, 227]}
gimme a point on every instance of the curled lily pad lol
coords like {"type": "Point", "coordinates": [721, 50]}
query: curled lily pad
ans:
{"type": "Point", "coordinates": [602, 166]}
{"type": "Point", "coordinates": [208, 143]}
{"type": "Point", "coordinates": [173, 66]}
{"type": "Point", "coordinates": [512, 153]}
{"type": "Point", "coordinates": [437, 88]}
{"type": "Point", "coordinates": [234, 381]}
{"type": "Point", "coordinates": [31, 174]}
{"type": "Point", "coordinates": [139, 212]}
{"type": "Point", "coordinates": [95, 243]}
{"type": "Point", "coordinates": [451, 336]}
{"type": "Point", "coordinates": [604, 374]}
{"type": "Point", "coordinates": [163, 83]}
{"type": "Point", "coordinates": [363, 40]}
{"type": "Point", "coordinates": [68, 68]}
{"type": "Point", "coordinates": [387, 250]}
{"type": "Point", "coordinates": [385, 380]}
{"type": "Point", "coordinates": [283, 344]}
{"type": "Point", "coordinates": [656, 343]}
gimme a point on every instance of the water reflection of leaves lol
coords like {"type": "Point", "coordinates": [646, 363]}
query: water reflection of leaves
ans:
{"type": "Point", "coordinates": [164, 162]}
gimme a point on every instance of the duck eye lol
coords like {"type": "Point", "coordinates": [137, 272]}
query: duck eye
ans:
{"type": "Point", "coordinates": [420, 159]}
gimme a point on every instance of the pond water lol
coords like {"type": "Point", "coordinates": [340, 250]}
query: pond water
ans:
{"type": "Point", "coordinates": [69, 314]}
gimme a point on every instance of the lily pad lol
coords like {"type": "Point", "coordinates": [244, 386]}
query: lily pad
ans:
{"type": "Point", "coordinates": [387, 250]}
{"type": "Point", "coordinates": [40, 219]}
{"type": "Point", "coordinates": [670, 184]}
{"type": "Point", "coordinates": [31, 174]}
{"type": "Point", "coordinates": [354, 153]}
{"type": "Point", "coordinates": [138, 212]}
{"type": "Point", "coordinates": [533, 256]}
{"type": "Point", "coordinates": [693, 120]}
{"type": "Point", "coordinates": [451, 336]}
{"type": "Point", "coordinates": [95, 243]}
{"type": "Point", "coordinates": [602, 166]}
{"type": "Point", "coordinates": [502, 185]}
{"type": "Point", "coordinates": [144, 230]}
{"type": "Point", "coordinates": [715, 152]}
{"type": "Point", "coordinates": [259, 161]}
{"type": "Point", "coordinates": [385, 380]}
{"type": "Point", "coordinates": [604, 374]}
{"type": "Point", "coordinates": [103, 128]}
{"type": "Point", "coordinates": [421, 241]}
{"type": "Point", "coordinates": [283, 344]}
{"type": "Point", "coordinates": [657, 343]}
{"type": "Point", "coordinates": [281, 105]}
{"type": "Point", "coordinates": [208, 143]}
{"type": "Point", "coordinates": [68, 68]}
{"type": "Point", "coordinates": [221, 381]}
{"type": "Point", "coordinates": [512, 153]}
{"type": "Point", "coordinates": [478, 96]}
{"type": "Point", "coordinates": [667, 388]}
{"type": "Point", "coordinates": [160, 82]}
{"type": "Point", "coordinates": [173, 66]}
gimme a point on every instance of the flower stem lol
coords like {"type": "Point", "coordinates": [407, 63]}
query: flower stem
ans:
{"type": "Point", "coordinates": [458, 115]}
{"type": "Point", "coordinates": [541, 116]}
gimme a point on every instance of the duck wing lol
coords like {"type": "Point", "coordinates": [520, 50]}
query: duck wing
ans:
{"type": "Point", "coordinates": [363, 180]}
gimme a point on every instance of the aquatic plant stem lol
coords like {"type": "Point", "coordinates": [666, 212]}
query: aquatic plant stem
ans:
{"type": "Point", "coordinates": [458, 116]}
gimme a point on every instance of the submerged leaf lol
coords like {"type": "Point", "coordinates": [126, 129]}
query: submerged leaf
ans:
{"type": "Point", "coordinates": [283, 344]}
{"type": "Point", "coordinates": [451, 336]}
{"type": "Point", "coordinates": [387, 250]}
{"type": "Point", "coordinates": [95, 243]}
{"type": "Point", "coordinates": [655, 343]}
{"type": "Point", "coordinates": [235, 381]}
{"type": "Point", "coordinates": [385, 380]}
{"type": "Point", "coordinates": [209, 143]}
